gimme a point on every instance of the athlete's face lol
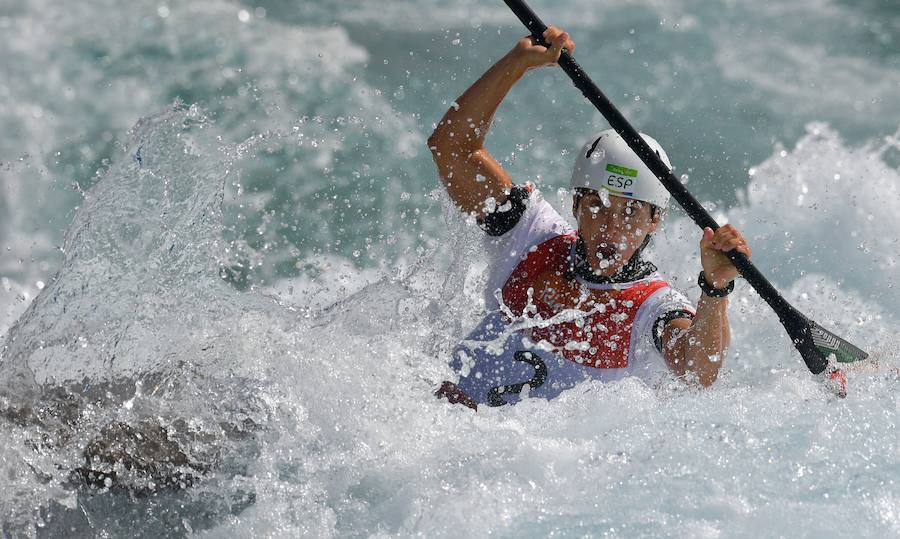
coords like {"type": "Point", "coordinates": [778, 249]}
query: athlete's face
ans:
{"type": "Point", "coordinates": [612, 227]}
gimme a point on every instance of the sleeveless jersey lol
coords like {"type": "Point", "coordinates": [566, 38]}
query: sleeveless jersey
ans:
{"type": "Point", "coordinates": [551, 331]}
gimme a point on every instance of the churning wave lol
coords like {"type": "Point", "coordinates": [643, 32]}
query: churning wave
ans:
{"type": "Point", "coordinates": [140, 386]}
{"type": "Point", "coordinates": [210, 337]}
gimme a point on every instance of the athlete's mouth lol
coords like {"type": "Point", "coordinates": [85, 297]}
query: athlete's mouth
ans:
{"type": "Point", "coordinates": [607, 251]}
{"type": "Point", "coordinates": [607, 255]}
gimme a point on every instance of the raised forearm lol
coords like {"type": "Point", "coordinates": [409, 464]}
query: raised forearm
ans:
{"type": "Point", "coordinates": [703, 344]}
{"type": "Point", "coordinates": [464, 126]}
{"type": "Point", "coordinates": [707, 340]}
{"type": "Point", "coordinates": [473, 178]}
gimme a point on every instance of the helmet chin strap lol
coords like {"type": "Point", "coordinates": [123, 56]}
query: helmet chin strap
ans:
{"type": "Point", "coordinates": [633, 270]}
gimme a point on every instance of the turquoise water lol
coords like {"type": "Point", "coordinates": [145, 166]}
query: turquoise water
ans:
{"type": "Point", "coordinates": [268, 271]}
{"type": "Point", "coordinates": [721, 86]}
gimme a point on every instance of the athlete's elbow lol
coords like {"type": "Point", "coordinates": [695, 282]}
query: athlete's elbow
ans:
{"type": "Point", "coordinates": [434, 142]}
{"type": "Point", "coordinates": [444, 140]}
{"type": "Point", "coordinates": [441, 151]}
{"type": "Point", "coordinates": [441, 138]}
{"type": "Point", "coordinates": [708, 374]}
{"type": "Point", "coordinates": [707, 379]}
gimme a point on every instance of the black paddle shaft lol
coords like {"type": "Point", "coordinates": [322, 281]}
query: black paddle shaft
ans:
{"type": "Point", "coordinates": [794, 322]}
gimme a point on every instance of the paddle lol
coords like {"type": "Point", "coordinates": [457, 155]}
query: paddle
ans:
{"type": "Point", "coordinates": [816, 344]}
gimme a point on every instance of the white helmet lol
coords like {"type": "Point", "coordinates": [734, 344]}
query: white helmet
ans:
{"type": "Point", "coordinates": [606, 162]}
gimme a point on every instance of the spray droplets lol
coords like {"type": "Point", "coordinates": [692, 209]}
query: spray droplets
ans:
{"type": "Point", "coordinates": [604, 197]}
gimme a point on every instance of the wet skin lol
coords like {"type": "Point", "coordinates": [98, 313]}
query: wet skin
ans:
{"type": "Point", "coordinates": [472, 176]}
{"type": "Point", "coordinates": [613, 228]}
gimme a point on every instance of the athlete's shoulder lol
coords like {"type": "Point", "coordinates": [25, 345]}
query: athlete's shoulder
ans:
{"type": "Point", "coordinates": [525, 208]}
{"type": "Point", "coordinates": [665, 304]}
{"type": "Point", "coordinates": [505, 216]}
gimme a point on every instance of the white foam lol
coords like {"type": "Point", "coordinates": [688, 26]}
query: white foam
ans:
{"type": "Point", "coordinates": [70, 91]}
{"type": "Point", "coordinates": [350, 437]}
{"type": "Point", "coordinates": [787, 74]}
{"type": "Point", "coordinates": [339, 376]}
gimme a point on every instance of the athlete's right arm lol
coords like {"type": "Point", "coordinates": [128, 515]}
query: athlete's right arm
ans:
{"type": "Point", "coordinates": [470, 174]}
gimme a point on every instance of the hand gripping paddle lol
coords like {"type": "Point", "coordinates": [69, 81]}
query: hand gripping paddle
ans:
{"type": "Point", "coordinates": [816, 344]}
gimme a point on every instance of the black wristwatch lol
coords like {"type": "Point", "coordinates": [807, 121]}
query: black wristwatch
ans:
{"type": "Point", "coordinates": [712, 291]}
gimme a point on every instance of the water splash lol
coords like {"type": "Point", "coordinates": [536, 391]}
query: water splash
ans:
{"type": "Point", "coordinates": [285, 418]}
{"type": "Point", "coordinates": [116, 371]}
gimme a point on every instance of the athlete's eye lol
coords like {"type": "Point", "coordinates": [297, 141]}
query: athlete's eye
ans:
{"type": "Point", "coordinates": [631, 208]}
{"type": "Point", "coordinates": [595, 205]}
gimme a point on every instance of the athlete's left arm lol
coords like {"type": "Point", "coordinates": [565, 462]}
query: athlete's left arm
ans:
{"type": "Point", "coordinates": [699, 345]}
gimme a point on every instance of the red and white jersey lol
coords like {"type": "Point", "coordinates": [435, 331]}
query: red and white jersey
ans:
{"type": "Point", "coordinates": [549, 329]}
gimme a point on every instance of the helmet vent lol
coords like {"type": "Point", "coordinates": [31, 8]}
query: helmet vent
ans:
{"type": "Point", "coordinates": [593, 147]}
